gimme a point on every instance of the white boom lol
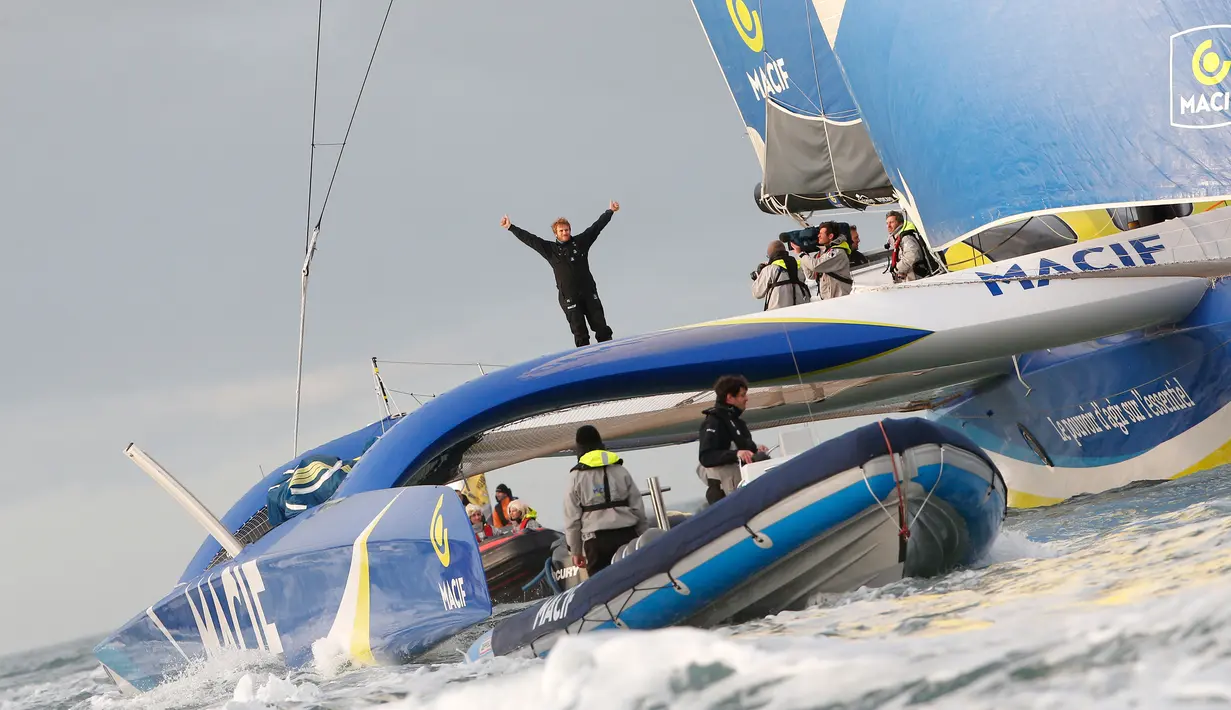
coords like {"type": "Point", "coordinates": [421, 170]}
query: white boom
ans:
{"type": "Point", "coordinates": [185, 498]}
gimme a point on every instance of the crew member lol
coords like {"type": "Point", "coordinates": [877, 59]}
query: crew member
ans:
{"type": "Point", "coordinates": [778, 279]}
{"type": "Point", "coordinates": [523, 516]}
{"type": "Point", "coordinates": [500, 511]}
{"type": "Point", "coordinates": [569, 257]}
{"type": "Point", "coordinates": [831, 266]}
{"type": "Point", "coordinates": [482, 531]}
{"type": "Point", "coordinates": [909, 258]}
{"type": "Point", "coordinates": [725, 441]}
{"type": "Point", "coordinates": [602, 507]}
{"type": "Point", "coordinates": [857, 257]}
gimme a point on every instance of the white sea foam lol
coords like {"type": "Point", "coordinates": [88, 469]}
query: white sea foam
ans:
{"type": "Point", "coordinates": [1109, 602]}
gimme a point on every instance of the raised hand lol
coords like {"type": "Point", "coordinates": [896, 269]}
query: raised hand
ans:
{"type": "Point", "coordinates": [614, 206]}
{"type": "Point", "coordinates": [504, 222]}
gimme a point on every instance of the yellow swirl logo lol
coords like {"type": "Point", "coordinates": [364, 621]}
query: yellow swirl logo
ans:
{"type": "Point", "coordinates": [439, 533]}
{"type": "Point", "coordinates": [1208, 67]}
{"type": "Point", "coordinates": [748, 24]}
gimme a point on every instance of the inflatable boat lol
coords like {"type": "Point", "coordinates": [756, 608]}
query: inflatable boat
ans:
{"type": "Point", "coordinates": [894, 499]}
{"type": "Point", "coordinates": [514, 560]}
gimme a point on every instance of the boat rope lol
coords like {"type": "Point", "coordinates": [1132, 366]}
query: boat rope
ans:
{"type": "Point", "coordinates": [316, 87]}
{"type": "Point", "coordinates": [935, 485]}
{"type": "Point", "coordinates": [904, 532]}
{"type": "Point", "coordinates": [312, 232]}
{"type": "Point", "coordinates": [354, 111]}
{"type": "Point", "coordinates": [415, 395]}
{"type": "Point", "coordinates": [800, 376]}
{"type": "Point", "coordinates": [1020, 379]}
{"type": "Point", "coordinates": [480, 365]}
{"type": "Point", "coordinates": [871, 492]}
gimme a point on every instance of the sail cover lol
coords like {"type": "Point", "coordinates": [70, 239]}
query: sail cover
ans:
{"type": "Point", "coordinates": [985, 111]}
{"type": "Point", "coordinates": [804, 126]}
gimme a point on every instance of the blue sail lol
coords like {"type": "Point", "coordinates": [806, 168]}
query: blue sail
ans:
{"type": "Point", "coordinates": [796, 108]}
{"type": "Point", "coordinates": [985, 112]}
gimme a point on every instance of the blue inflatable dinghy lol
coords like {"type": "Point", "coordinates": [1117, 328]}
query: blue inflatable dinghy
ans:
{"type": "Point", "coordinates": [898, 498]}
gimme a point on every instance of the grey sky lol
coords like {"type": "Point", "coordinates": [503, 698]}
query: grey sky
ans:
{"type": "Point", "coordinates": [154, 187]}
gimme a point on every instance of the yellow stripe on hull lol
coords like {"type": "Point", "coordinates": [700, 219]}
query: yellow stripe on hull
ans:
{"type": "Point", "coordinates": [1033, 485]}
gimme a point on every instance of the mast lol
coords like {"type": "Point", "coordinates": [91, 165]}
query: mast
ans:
{"type": "Point", "coordinates": [313, 232]}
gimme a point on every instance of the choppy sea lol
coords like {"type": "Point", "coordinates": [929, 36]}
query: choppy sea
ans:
{"type": "Point", "coordinates": [1121, 600]}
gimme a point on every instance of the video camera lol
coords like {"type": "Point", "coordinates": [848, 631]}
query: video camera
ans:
{"type": "Point", "coordinates": [805, 239]}
{"type": "Point", "coordinates": [808, 238]}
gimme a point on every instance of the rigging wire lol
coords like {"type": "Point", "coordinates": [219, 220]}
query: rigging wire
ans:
{"type": "Point", "coordinates": [309, 234]}
{"type": "Point", "coordinates": [316, 87]}
{"type": "Point", "coordinates": [354, 111]}
{"type": "Point", "coordinates": [313, 231]}
{"type": "Point", "coordinates": [441, 364]}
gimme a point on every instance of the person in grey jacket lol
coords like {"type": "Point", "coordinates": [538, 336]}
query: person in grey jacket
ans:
{"type": "Point", "coordinates": [831, 264]}
{"type": "Point", "coordinates": [602, 507]}
{"type": "Point", "coordinates": [779, 280]}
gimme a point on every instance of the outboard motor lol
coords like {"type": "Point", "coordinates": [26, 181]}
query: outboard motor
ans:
{"type": "Point", "coordinates": [564, 574]}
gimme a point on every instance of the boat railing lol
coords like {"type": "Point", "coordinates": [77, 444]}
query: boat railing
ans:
{"type": "Point", "coordinates": [655, 491]}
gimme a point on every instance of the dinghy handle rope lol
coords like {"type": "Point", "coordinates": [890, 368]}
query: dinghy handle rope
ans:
{"type": "Point", "coordinates": [904, 530]}
{"type": "Point", "coordinates": [935, 485]}
{"type": "Point", "coordinates": [759, 539]}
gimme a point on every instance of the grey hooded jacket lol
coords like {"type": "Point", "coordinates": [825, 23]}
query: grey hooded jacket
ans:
{"type": "Point", "coordinates": [601, 496]}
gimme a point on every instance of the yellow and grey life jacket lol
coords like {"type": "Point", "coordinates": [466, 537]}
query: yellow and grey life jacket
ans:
{"type": "Point", "coordinates": [600, 458]}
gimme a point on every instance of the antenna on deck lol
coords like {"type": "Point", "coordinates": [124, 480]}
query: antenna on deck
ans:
{"type": "Point", "coordinates": [384, 394]}
{"type": "Point", "coordinates": [186, 499]}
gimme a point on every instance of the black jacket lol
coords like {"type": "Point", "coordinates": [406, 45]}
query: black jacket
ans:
{"type": "Point", "coordinates": [723, 425]}
{"type": "Point", "coordinates": [569, 260]}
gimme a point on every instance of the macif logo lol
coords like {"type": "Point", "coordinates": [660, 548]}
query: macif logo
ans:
{"type": "Point", "coordinates": [747, 23]}
{"type": "Point", "coordinates": [772, 78]}
{"type": "Point", "coordinates": [439, 534]}
{"type": "Point", "coordinates": [1201, 77]}
{"type": "Point", "coordinates": [1138, 252]}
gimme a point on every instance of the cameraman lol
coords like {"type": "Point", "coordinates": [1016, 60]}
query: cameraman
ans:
{"type": "Point", "coordinates": [778, 280]}
{"type": "Point", "coordinates": [831, 266]}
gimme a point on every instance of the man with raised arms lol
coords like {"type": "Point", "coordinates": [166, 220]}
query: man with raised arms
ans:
{"type": "Point", "coordinates": [569, 257]}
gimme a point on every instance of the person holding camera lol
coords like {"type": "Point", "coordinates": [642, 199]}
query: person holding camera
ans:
{"type": "Point", "coordinates": [725, 441]}
{"type": "Point", "coordinates": [831, 265]}
{"type": "Point", "coordinates": [778, 279]}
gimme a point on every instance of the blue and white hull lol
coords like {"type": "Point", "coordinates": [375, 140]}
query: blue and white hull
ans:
{"type": "Point", "coordinates": [1145, 405]}
{"type": "Point", "coordinates": [827, 520]}
{"type": "Point", "coordinates": [376, 578]}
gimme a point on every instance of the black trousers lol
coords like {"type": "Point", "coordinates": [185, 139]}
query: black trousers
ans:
{"type": "Point", "coordinates": [599, 549]}
{"type": "Point", "coordinates": [580, 308]}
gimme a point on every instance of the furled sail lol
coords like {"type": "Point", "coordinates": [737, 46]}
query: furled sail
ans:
{"type": "Point", "coordinates": [808, 135]}
{"type": "Point", "coordinates": [988, 112]}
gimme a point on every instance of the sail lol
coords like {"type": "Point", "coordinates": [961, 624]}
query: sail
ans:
{"type": "Point", "coordinates": [805, 129]}
{"type": "Point", "coordinates": [988, 112]}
